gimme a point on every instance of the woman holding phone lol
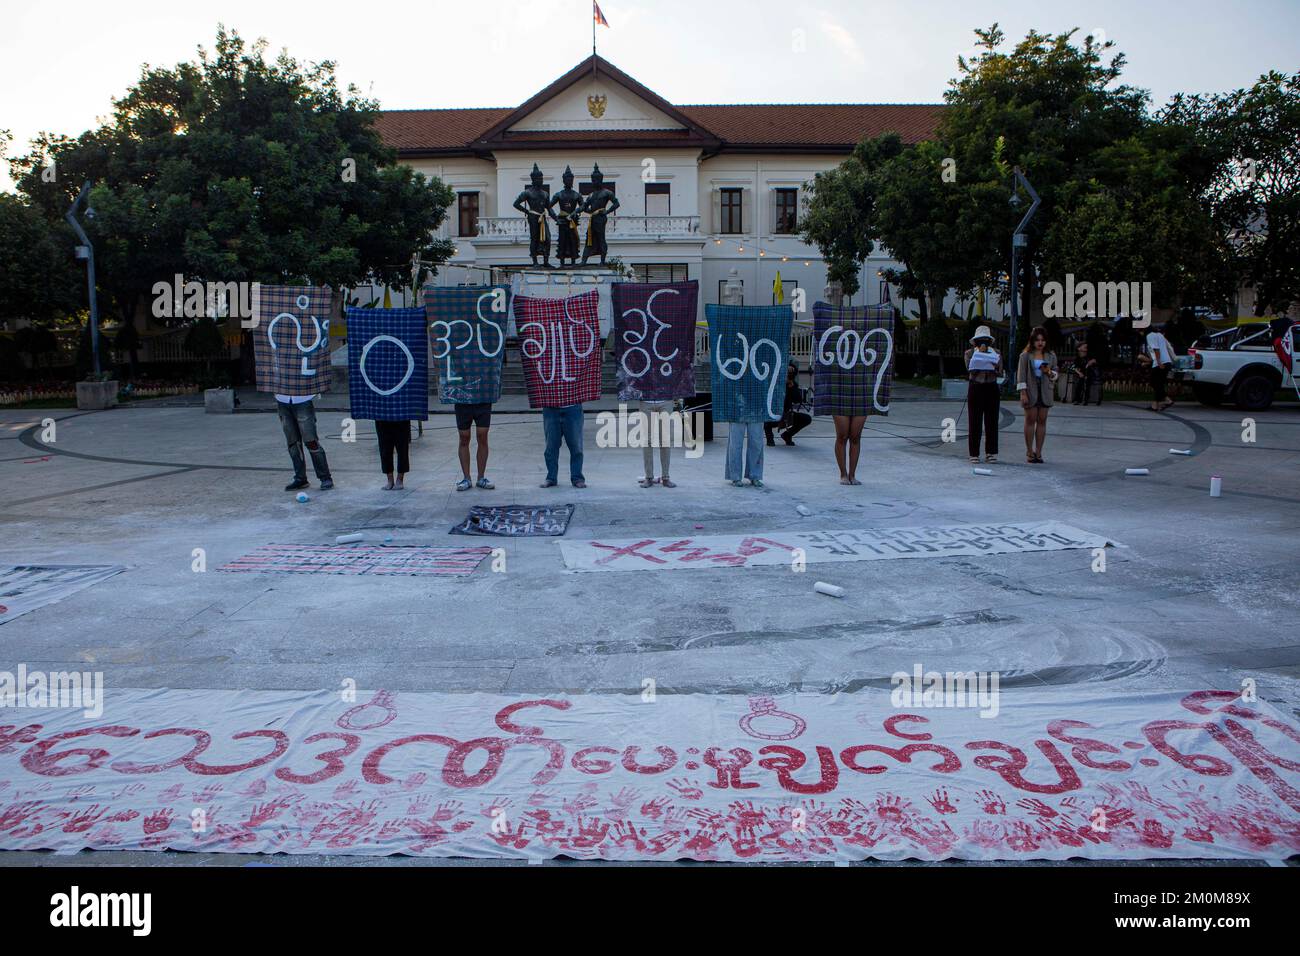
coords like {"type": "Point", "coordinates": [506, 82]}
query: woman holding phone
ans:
{"type": "Point", "coordinates": [1036, 375]}
{"type": "Point", "coordinates": [983, 369]}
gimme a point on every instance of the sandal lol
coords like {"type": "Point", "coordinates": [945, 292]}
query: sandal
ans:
{"type": "Point", "coordinates": [464, 484]}
{"type": "Point", "coordinates": [646, 482]}
{"type": "Point", "coordinates": [484, 484]}
{"type": "Point", "coordinates": [974, 459]}
{"type": "Point", "coordinates": [845, 480]}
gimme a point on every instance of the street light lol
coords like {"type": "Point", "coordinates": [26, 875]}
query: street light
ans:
{"type": "Point", "coordinates": [1018, 241]}
{"type": "Point", "coordinates": [87, 251]}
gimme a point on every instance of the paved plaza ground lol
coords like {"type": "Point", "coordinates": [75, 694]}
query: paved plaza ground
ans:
{"type": "Point", "coordinates": [1202, 591]}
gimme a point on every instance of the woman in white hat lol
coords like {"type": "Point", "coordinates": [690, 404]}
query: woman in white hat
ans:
{"type": "Point", "coordinates": [983, 368]}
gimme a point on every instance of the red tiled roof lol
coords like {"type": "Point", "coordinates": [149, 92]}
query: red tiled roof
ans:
{"type": "Point", "coordinates": [835, 126]}
{"type": "Point", "coordinates": [796, 124]}
{"type": "Point", "coordinates": [407, 130]}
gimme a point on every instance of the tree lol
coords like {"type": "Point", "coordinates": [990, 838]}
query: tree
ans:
{"type": "Point", "coordinates": [39, 279]}
{"type": "Point", "coordinates": [1253, 192]}
{"type": "Point", "coordinates": [1047, 106]}
{"type": "Point", "coordinates": [236, 168]}
{"type": "Point", "coordinates": [840, 214]}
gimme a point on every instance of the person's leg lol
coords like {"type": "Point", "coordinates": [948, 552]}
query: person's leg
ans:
{"type": "Point", "coordinates": [573, 421]}
{"type": "Point", "coordinates": [855, 445]}
{"type": "Point", "coordinates": [306, 413]}
{"type": "Point", "coordinates": [991, 408]}
{"type": "Point", "coordinates": [755, 446]}
{"type": "Point", "coordinates": [661, 427]}
{"type": "Point", "coordinates": [735, 451]}
{"type": "Point", "coordinates": [648, 422]}
{"type": "Point", "coordinates": [481, 457]}
{"type": "Point", "coordinates": [551, 428]}
{"type": "Point", "coordinates": [293, 438]}
{"type": "Point", "coordinates": [1040, 430]}
{"type": "Point", "coordinates": [841, 444]}
{"type": "Point", "coordinates": [1157, 388]}
{"type": "Point", "coordinates": [384, 433]}
{"type": "Point", "coordinates": [975, 411]}
{"type": "Point", "coordinates": [462, 450]}
{"type": "Point", "coordinates": [1031, 417]}
{"type": "Point", "coordinates": [402, 439]}
{"type": "Point", "coordinates": [768, 429]}
{"type": "Point", "coordinates": [798, 422]}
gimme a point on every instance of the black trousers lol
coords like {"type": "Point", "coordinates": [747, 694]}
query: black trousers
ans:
{"type": "Point", "coordinates": [1159, 378]}
{"type": "Point", "coordinates": [798, 422]}
{"type": "Point", "coordinates": [983, 403]}
{"type": "Point", "coordinates": [394, 436]}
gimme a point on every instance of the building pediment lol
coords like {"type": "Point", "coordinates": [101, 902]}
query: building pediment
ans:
{"type": "Point", "coordinates": [595, 101]}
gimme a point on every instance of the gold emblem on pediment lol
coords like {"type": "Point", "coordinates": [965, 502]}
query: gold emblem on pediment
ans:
{"type": "Point", "coordinates": [596, 104]}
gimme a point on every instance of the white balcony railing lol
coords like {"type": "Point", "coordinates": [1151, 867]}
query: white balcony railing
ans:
{"type": "Point", "coordinates": [514, 229]}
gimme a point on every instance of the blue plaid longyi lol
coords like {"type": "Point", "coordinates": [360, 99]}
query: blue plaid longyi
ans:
{"type": "Point", "coordinates": [749, 349]}
{"type": "Point", "coordinates": [392, 383]}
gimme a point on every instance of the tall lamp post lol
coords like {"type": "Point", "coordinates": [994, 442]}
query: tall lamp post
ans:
{"type": "Point", "coordinates": [87, 251]}
{"type": "Point", "coordinates": [1018, 241]}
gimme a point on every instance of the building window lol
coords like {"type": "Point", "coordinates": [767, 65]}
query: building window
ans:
{"type": "Point", "coordinates": [731, 219]}
{"type": "Point", "coordinates": [467, 207]}
{"type": "Point", "coordinates": [722, 288]}
{"type": "Point", "coordinates": [786, 211]}
{"type": "Point", "coordinates": [658, 202]}
{"type": "Point", "coordinates": [661, 272]}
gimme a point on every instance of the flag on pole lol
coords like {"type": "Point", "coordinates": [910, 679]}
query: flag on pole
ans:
{"type": "Point", "coordinates": [778, 291]}
{"type": "Point", "coordinates": [597, 15]}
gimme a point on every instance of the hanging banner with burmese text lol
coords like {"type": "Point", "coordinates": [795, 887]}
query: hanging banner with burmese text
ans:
{"type": "Point", "coordinates": [291, 339]}
{"type": "Point", "coordinates": [852, 359]}
{"type": "Point", "coordinates": [560, 348]}
{"type": "Point", "coordinates": [467, 336]}
{"type": "Point", "coordinates": [654, 339]}
{"type": "Point", "coordinates": [388, 364]}
{"type": "Point", "coordinates": [749, 348]}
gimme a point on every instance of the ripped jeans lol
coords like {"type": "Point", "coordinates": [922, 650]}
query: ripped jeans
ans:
{"type": "Point", "coordinates": [299, 424]}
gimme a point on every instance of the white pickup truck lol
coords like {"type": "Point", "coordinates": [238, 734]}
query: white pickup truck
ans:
{"type": "Point", "coordinates": [1239, 365]}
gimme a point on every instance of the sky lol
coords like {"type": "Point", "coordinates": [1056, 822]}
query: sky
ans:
{"type": "Point", "coordinates": [62, 65]}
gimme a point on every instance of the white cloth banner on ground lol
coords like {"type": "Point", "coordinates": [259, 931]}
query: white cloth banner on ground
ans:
{"type": "Point", "coordinates": [25, 587]}
{"type": "Point", "coordinates": [814, 547]}
{"type": "Point", "coordinates": [1085, 771]}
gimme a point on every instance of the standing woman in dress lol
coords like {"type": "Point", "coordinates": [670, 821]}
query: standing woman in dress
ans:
{"type": "Point", "coordinates": [1036, 380]}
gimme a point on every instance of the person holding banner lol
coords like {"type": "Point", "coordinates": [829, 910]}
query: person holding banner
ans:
{"type": "Point", "coordinates": [298, 421]}
{"type": "Point", "coordinates": [394, 437]}
{"type": "Point", "coordinates": [478, 414]}
{"type": "Point", "coordinates": [984, 368]}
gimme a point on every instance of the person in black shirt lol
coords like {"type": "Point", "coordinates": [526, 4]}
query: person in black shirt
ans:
{"type": "Point", "coordinates": [792, 422]}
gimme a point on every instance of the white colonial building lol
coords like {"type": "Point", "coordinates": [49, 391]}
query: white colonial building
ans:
{"type": "Point", "coordinates": [704, 190]}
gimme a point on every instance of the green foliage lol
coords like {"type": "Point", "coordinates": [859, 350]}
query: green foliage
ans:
{"type": "Point", "coordinates": [1252, 137]}
{"type": "Point", "coordinates": [840, 213]}
{"type": "Point", "coordinates": [39, 278]}
{"type": "Point", "coordinates": [236, 168]}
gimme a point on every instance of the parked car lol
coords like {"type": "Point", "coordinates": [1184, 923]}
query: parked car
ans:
{"type": "Point", "coordinates": [1238, 365]}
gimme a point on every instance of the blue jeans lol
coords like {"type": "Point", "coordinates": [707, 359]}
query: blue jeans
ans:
{"type": "Point", "coordinates": [299, 425]}
{"type": "Point", "coordinates": [563, 423]}
{"type": "Point", "coordinates": [737, 433]}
